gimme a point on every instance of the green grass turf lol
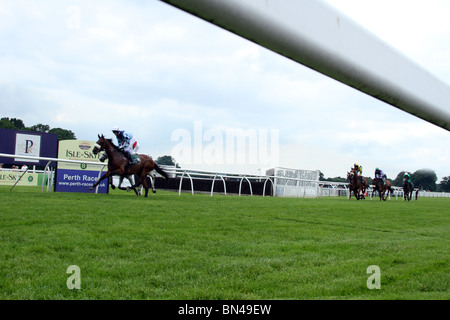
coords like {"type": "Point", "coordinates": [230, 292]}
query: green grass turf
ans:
{"type": "Point", "coordinates": [222, 247]}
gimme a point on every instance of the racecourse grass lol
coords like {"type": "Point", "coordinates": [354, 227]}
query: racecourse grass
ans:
{"type": "Point", "coordinates": [222, 247]}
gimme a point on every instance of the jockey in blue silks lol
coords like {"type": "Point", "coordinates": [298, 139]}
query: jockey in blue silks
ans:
{"type": "Point", "coordinates": [127, 144]}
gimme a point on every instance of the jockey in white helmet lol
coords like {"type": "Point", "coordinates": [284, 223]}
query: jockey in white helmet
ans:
{"type": "Point", "coordinates": [127, 144]}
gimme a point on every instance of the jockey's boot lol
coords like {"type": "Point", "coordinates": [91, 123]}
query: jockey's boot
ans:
{"type": "Point", "coordinates": [129, 158]}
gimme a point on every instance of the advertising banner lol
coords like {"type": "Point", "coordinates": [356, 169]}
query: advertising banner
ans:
{"type": "Point", "coordinates": [9, 178]}
{"type": "Point", "coordinates": [79, 181]}
{"type": "Point", "coordinates": [28, 143]}
{"type": "Point", "coordinates": [79, 177]}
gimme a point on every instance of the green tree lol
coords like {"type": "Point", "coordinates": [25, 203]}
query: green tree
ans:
{"type": "Point", "coordinates": [166, 161]}
{"type": "Point", "coordinates": [321, 176]}
{"type": "Point", "coordinates": [425, 179]}
{"type": "Point", "coordinates": [13, 123]}
{"type": "Point", "coordinates": [45, 128]}
{"type": "Point", "coordinates": [6, 124]}
{"type": "Point", "coordinates": [445, 184]}
{"type": "Point", "coordinates": [336, 179]}
{"type": "Point", "coordinates": [398, 182]}
{"type": "Point", "coordinates": [63, 134]}
{"type": "Point", "coordinates": [17, 124]}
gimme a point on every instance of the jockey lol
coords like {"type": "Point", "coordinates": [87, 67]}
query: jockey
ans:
{"type": "Point", "coordinates": [127, 144]}
{"type": "Point", "coordinates": [379, 174]}
{"type": "Point", "coordinates": [407, 176]}
{"type": "Point", "coordinates": [358, 169]}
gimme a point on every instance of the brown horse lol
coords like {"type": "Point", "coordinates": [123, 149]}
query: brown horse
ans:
{"type": "Point", "coordinates": [382, 188]}
{"type": "Point", "coordinates": [408, 188]}
{"type": "Point", "coordinates": [357, 184]}
{"type": "Point", "coordinates": [118, 164]}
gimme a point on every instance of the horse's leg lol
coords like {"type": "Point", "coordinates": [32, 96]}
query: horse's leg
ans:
{"type": "Point", "coordinates": [152, 180]}
{"type": "Point", "coordinates": [361, 191]}
{"type": "Point", "coordinates": [143, 181]}
{"type": "Point", "coordinates": [140, 187]}
{"type": "Point", "coordinates": [136, 189]}
{"type": "Point", "coordinates": [110, 179]}
{"type": "Point", "coordinates": [106, 175]}
{"type": "Point", "coordinates": [120, 184]}
{"type": "Point", "coordinates": [385, 194]}
{"type": "Point", "coordinates": [138, 180]}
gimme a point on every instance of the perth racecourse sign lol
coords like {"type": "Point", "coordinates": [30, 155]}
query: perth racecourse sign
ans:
{"type": "Point", "coordinates": [78, 177]}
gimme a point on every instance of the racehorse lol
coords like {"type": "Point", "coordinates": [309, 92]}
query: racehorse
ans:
{"type": "Point", "coordinates": [130, 179]}
{"type": "Point", "coordinates": [382, 188]}
{"type": "Point", "coordinates": [118, 164]}
{"type": "Point", "coordinates": [408, 188]}
{"type": "Point", "coordinates": [357, 184]}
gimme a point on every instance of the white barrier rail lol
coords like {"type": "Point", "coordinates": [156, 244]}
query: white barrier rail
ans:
{"type": "Point", "coordinates": [318, 36]}
{"type": "Point", "coordinates": [201, 174]}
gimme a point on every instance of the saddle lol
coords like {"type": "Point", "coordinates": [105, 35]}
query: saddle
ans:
{"type": "Point", "coordinates": [132, 159]}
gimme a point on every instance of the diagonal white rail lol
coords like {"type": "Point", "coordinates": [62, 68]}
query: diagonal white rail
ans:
{"type": "Point", "coordinates": [316, 35]}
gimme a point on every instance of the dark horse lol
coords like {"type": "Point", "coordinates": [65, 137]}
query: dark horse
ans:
{"type": "Point", "coordinates": [383, 189]}
{"type": "Point", "coordinates": [130, 179]}
{"type": "Point", "coordinates": [357, 184]}
{"type": "Point", "coordinates": [118, 164]}
{"type": "Point", "coordinates": [408, 188]}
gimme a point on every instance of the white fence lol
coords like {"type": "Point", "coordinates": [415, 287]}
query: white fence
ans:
{"type": "Point", "coordinates": [296, 183]}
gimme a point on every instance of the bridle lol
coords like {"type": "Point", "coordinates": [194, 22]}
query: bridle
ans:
{"type": "Point", "coordinates": [100, 147]}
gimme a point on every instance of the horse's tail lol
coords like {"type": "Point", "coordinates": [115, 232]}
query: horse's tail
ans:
{"type": "Point", "coordinates": [161, 172]}
{"type": "Point", "coordinates": [417, 192]}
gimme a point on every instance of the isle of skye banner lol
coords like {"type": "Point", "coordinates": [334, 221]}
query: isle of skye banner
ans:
{"type": "Point", "coordinates": [79, 177]}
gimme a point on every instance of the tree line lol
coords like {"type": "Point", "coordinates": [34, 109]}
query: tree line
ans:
{"type": "Point", "coordinates": [17, 124]}
{"type": "Point", "coordinates": [424, 179]}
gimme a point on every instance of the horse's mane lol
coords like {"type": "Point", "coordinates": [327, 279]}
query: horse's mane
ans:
{"type": "Point", "coordinates": [112, 143]}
